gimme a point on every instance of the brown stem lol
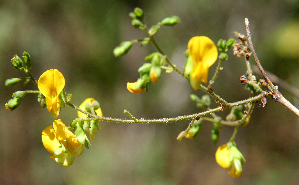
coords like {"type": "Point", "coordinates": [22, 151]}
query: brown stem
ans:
{"type": "Point", "coordinates": [277, 95]}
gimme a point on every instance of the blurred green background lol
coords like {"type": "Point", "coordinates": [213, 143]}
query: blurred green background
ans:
{"type": "Point", "coordinates": [78, 37]}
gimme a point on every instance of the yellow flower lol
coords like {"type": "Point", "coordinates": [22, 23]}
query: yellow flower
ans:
{"type": "Point", "coordinates": [50, 84]}
{"type": "Point", "coordinates": [230, 158]}
{"type": "Point", "coordinates": [222, 156]}
{"type": "Point", "coordinates": [62, 143]}
{"type": "Point", "coordinates": [204, 54]}
{"type": "Point", "coordinates": [82, 107]}
{"type": "Point", "coordinates": [93, 125]}
{"type": "Point", "coordinates": [132, 88]}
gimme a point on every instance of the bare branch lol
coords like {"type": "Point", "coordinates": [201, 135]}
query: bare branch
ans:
{"type": "Point", "coordinates": [277, 95]}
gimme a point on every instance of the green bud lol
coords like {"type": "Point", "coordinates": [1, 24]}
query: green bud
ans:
{"type": "Point", "coordinates": [122, 49]}
{"type": "Point", "coordinates": [150, 57]}
{"type": "Point", "coordinates": [138, 12]}
{"type": "Point", "coordinates": [139, 84]}
{"type": "Point", "coordinates": [188, 67]}
{"type": "Point", "coordinates": [137, 24]}
{"type": "Point", "coordinates": [145, 68]}
{"type": "Point", "coordinates": [19, 94]}
{"type": "Point", "coordinates": [145, 78]}
{"type": "Point", "coordinates": [170, 21]}
{"type": "Point", "coordinates": [215, 136]}
{"type": "Point", "coordinates": [17, 62]}
{"type": "Point", "coordinates": [12, 81]}
{"type": "Point", "coordinates": [195, 98]}
{"type": "Point", "coordinates": [194, 131]}
{"type": "Point", "coordinates": [88, 107]}
{"type": "Point", "coordinates": [132, 15]}
{"type": "Point", "coordinates": [27, 60]}
{"type": "Point", "coordinates": [187, 53]}
{"type": "Point", "coordinates": [230, 43]}
{"type": "Point", "coordinates": [153, 29]}
{"type": "Point", "coordinates": [145, 41]}
{"type": "Point", "coordinates": [223, 56]}
{"type": "Point", "coordinates": [155, 73]}
{"type": "Point", "coordinates": [95, 105]}
{"type": "Point", "coordinates": [206, 100]}
{"type": "Point", "coordinates": [12, 104]}
{"type": "Point", "coordinates": [42, 100]}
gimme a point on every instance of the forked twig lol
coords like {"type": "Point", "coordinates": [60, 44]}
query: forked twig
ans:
{"type": "Point", "coordinates": [277, 95]}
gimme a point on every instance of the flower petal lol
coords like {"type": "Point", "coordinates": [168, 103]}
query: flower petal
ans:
{"type": "Point", "coordinates": [50, 82]}
{"type": "Point", "coordinates": [222, 156]}
{"type": "Point", "coordinates": [132, 88]}
{"type": "Point", "coordinates": [49, 140]}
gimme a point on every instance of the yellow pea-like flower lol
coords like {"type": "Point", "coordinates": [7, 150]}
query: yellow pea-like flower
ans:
{"type": "Point", "coordinates": [62, 143]}
{"type": "Point", "coordinates": [204, 54]}
{"type": "Point", "coordinates": [230, 158]}
{"type": "Point", "coordinates": [50, 84]}
{"type": "Point", "coordinates": [132, 88]}
{"type": "Point", "coordinates": [82, 107]}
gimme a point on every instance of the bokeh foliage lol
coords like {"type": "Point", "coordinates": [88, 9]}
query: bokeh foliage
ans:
{"type": "Point", "coordinates": [78, 37]}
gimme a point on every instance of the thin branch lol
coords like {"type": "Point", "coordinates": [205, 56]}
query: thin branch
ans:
{"type": "Point", "coordinates": [166, 120]}
{"type": "Point", "coordinates": [280, 82]}
{"type": "Point", "coordinates": [277, 95]}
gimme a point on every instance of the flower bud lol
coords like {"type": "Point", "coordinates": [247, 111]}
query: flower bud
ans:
{"type": "Point", "coordinates": [122, 49]}
{"type": "Point", "coordinates": [230, 43]}
{"type": "Point", "coordinates": [154, 29]}
{"type": "Point", "coordinates": [223, 56]}
{"type": "Point", "coordinates": [12, 104]}
{"type": "Point", "coordinates": [95, 105]}
{"type": "Point", "coordinates": [88, 107]}
{"type": "Point", "coordinates": [138, 12]}
{"type": "Point", "coordinates": [181, 135]}
{"type": "Point", "coordinates": [215, 135]}
{"type": "Point", "coordinates": [27, 60]}
{"type": "Point", "coordinates": [221, 45]}
{"type": "Point", "coordinates": [206, 100]}
{"type": "Point", "coordinates": [12, 81]}
{"type": "Point", "coordinates": [17, 62]}
{"type": "Point", "coordinates": [145, 41]}
{"type": "Point", "coordinates": [155, 73]}
{"type": "Point", "coordinates": [132, 15]}
{"type": "Point", "coordinates": [170, 21]}
{"type": "Point", "coordinates": [188, 67]}
{"type": "Point", "coordinates": [145, 68]}
{"type": "Point", "coordinates": [19, 94]}
{"type": "Point", "coordinates": [137, 24]}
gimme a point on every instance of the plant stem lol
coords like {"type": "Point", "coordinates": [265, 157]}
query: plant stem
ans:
{"type": "Point", "coordinates": [215, 74]}
{"type": "Point", "coordinates": [166, 120]}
